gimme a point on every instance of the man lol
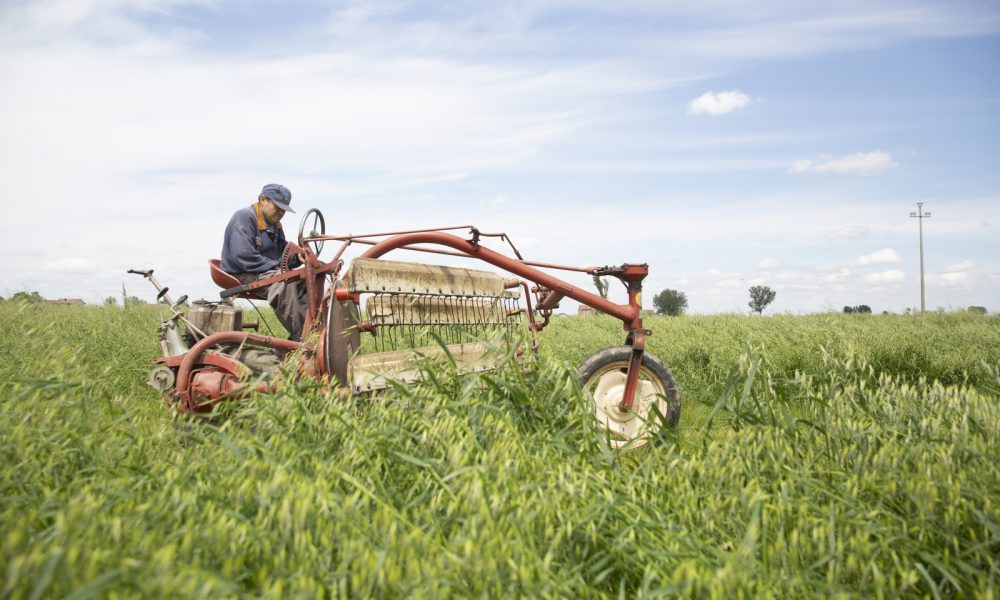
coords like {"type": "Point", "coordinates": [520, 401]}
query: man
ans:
{"type": "Point", "coordinates": [252, 250]}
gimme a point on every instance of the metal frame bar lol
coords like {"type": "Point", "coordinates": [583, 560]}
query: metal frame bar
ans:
{"type": "Point", "coordinates": [627, 313]}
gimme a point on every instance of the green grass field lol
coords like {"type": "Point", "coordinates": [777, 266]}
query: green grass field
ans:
{"type": "Point", "coordinates": [831, 455]}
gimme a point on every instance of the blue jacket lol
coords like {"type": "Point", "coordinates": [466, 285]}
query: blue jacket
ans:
{"type": "Point", "coordinates": [251, 244]}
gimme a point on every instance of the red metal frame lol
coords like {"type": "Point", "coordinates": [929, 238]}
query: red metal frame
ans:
{"type": "Point", "coordinates": [225, 378]}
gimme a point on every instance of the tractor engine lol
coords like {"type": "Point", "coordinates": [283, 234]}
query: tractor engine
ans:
{"type": "Point", "coordinates": [225, 368]}
{"type": "Point", "coordinates": [213, 317]}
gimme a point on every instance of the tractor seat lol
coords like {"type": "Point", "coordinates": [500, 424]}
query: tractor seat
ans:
{"type": "Point", "coordinates": [227, 281]}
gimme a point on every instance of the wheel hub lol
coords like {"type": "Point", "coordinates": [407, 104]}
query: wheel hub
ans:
{"type": "Point", "coordinates": [608, 397]}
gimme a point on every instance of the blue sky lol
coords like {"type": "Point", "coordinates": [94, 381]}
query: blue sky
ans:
{"type": "Point", "coordinates": [784, 143]}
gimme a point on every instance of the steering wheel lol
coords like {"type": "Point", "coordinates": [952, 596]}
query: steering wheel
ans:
{"type": "Point", "coordinates": [317, 222]}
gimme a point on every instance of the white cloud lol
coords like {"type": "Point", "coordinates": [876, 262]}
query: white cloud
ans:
{"type": "Point", "coordinates": [947, 279]}
{"type": "Point", "coordinates": [800, 166]}
{"type": "Point", "coordinates": [953, 274]}
{"type": "Point", "coordinates": [890, 276]}
{"type": "Point", "coordinates": [711, 103]}
{"type": "Point", "coordinates": [767, 263]}
{"type": "Point", "coordinates": [866, 163]}
{"type": "Point", "coordinates": [883, 256]}
{"type": "Point", "coordinates": [835, 277]}
{"type": "Point", "coordinates": [71, 265]}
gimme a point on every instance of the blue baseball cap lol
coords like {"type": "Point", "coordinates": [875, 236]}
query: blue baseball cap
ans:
{"type": "Point", "coordinates": [278, 194]}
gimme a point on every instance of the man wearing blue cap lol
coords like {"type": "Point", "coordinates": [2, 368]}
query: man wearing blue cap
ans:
{"type": "Point", "coordinates": [252, 250]}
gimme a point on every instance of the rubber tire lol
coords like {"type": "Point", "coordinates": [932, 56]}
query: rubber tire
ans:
{"type": "Point", "coordinates": [652, 367]}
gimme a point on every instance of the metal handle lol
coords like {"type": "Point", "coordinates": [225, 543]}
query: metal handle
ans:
{"type": "Point", "coordinates": [233, 291]}
{"type": "Point", "coordinates": [161, 292]}
{"type": "Point", "coordinates": [550, 300]}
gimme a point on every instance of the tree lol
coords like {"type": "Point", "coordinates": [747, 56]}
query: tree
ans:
{"type": "Point", "coordinates": [111, 301]}
{"type": "Point", "coordinates": [670, 302]}
{"type": "Point", "coordinates": [979, 310]}
{"type": "Point", "coordinates": [859, 309]}
{"type": "Point", "coordinates": [602, 286]}
{"type": "Point", "coordinates": [29, 297]}
{"type": "Point", "coordinates": [760, 297]}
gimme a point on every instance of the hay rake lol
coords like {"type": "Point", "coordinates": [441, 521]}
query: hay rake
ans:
{"type": "Point", "coordinates": [372, 323]}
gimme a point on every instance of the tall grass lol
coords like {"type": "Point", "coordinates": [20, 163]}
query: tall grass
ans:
{"type": "Point", "coordinates": [701, 350]}
{"type": "Point", "coordinates": [814, 457]}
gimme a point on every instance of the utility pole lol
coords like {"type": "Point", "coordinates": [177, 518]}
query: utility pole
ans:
{"type": "Point", "coordinates": [920, 215]}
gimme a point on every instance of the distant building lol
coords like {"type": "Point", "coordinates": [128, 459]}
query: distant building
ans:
{"type": "Point", "coordinates": [585, 310]}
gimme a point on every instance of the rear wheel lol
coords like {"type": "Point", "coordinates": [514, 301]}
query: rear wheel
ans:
{"type": "Point", "coordinates": [656, 403]}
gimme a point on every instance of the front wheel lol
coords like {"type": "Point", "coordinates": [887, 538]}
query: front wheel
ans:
{"type": "Point", "coordinates": [657, 400]}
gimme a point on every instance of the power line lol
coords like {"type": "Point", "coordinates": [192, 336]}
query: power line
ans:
{"type": "Point", "coordinates": [920, 215]}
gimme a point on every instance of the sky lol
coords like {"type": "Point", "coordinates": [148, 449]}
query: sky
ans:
{"type": "Point", "coordinates": [726, 144]}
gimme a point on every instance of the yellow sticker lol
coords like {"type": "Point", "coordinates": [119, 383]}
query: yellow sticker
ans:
{"type": "Point", "coordinates": [638, 299]}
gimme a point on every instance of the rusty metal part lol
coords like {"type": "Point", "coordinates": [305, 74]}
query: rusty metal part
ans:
{"type": "Point", "coordinates": [212, 318]}
{"type": "Point", "coordinates": [631, 274]}
{"type": "Point", "coordinates": [318, 220]}
{"type": "Point", "coordinates": [404, 299]}
{"type": "Point", "coordinates": [630, 424]}
{"type": "Point", "coordinates": [550, 300]}
{"type": "Point", "coordinates": [254, 286]}
{"type": "Point", "coordinates": [370, 372]}
{"type": "Point", "coordinates": [341, 337]}
{"type": "Point", "coordinates": [161, 292]}
{"type": "Point", "coordinates": [417, 309]}
{"type": "Point", "coordinates": [372, 239]}
{"type": "Point", "coordinates": [371, 275]}
{"type": "Point", "coordinates": [171, 342]}
{"type": "Point", "coordinates": [543, 265]}
{"type": "Point", "coordinates": [412, 320]}
{"type": "Point", "coordinates": [195, 356]}
{"type": "Point", "coordinates": [162, 378]}
{"type": "Point", "coordinates": [228, 282]}
{"type": "Point", "coordinates": [533, 325]}
{"type": "Point", "coordinates": [604, 374]}
{"type": "Point", "coordinates": [210, 386]}
{"type": "Point", "coordinates": [632, 374]}
{"type": "Point", "coordinates": [627, 313]}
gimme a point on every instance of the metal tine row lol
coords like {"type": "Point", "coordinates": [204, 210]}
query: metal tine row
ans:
{"type": "Point", "coordinates": [408, 320]}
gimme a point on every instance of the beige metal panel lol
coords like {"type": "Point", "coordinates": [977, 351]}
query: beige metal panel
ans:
{"type": "Point", "coordinates": [409, 309]}
{"type": "Point", "coordinates": [377, 275]}
{"type": "Point", "coordinates": [213, 318]}
{"type": "Point", "coordinates": [369, 372]}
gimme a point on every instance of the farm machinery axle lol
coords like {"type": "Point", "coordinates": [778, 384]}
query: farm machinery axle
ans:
{"type": "Point", "coordinates": [411, 312]}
